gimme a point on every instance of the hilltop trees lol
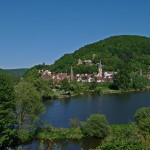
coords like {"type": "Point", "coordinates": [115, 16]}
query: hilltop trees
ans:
{"type": "Point", "coordinates": [112, 51]}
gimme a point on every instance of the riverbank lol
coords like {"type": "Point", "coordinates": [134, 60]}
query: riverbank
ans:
{"type": "Point", "coordinates": [121, 136]}
{"type": "Point", "coordinates": [102, 92]}
{"type": "Point", "coordinates": [52, 134]}
{"type": "Point", "coordinates": [59, 112]}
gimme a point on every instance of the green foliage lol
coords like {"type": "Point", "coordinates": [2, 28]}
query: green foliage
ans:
{"type": "Point", "coordinates": [93, 85]}
{"type": "Point", "coordinates": [129, 77]}
{"type": "Point", "coordinates": [65, 85]}
{"type": "Point", "coordinates": [43, 87]}
{"type": "Point", "coordinates": [95, 126]}
{"type": "Point", "coordinates": [139, 82]}
{"type": "Point", "coordinates": [32, 73]}
{"type": "Point", "coordinates": [122, 79]}
{"type": "Point", "coordinates": [60, 133]}
{"type": "Point", "coordinates": [17, 72]}
{"type": "Point", "coordinates": [28, 108]}
{"type": "Point", "coordinates": [83, 69]}
{"type": "Point", "coordinates": [141, 114]}
{"type": "Point", "coordinates": [142, 117]}
{"type": "Point", "coordinates": [7, 116]}
{"type": "Point", "coordinates": [112, 51]}
{"type": "Point", "coordinates": [122, 137]}
{"type": "Point", "coordinates": [75, 123]}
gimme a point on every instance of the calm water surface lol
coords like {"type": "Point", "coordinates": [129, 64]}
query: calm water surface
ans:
{"type": "Point", "coordinates": [118, 108]}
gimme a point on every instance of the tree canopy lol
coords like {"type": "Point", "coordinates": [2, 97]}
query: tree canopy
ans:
{"type": "Point", "coordinates": [28, 108]}
{"type": "Point", "coordinates": [7, 107]}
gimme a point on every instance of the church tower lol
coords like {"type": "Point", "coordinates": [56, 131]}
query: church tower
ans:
{"type": "Point", "coordinates": [100, 71]}
{"type": "Point", "coordinates": [71, 74]}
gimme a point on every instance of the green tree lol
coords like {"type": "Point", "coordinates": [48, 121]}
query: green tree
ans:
{"type": "Point", "coordinates": [95, 126]}
{"type": "Point", "coordinates": [28, 108]}
{"type": "Point", "coordinates": [65, 85]}
{"type": "Point", "coordinates": [122, 79]}
{"type": "Point", "coordinates": [139, 81]}
{"type": "Point", "coordinates": [43, 86]}
{"type": "Point", "coordinates": [75, 123]}
{"type": "Point", "coordinates": [93, 85]}
{"type": "Point", "coordinates": [142, 117]}
{"type": "Point", "coordinates": [7, 106]}
{"type": "Point", "coordinates": [142, 113]}
{"type": "Point", "coordinates": [122, 137]}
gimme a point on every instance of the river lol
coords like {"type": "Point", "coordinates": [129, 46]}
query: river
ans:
{"type": "Point", "coordinates": [118, 108]}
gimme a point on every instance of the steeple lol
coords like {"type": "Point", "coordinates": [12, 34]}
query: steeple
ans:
{"type": "Point", "coordinates": [100, 64]}
{"type": "Point", "coordinates": [100, 69]}
{"type": "Point", "coordinates": [71, 74]}
{"type": "Point", "coordinates": [141, 72]}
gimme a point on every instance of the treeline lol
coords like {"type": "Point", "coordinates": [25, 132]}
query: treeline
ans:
{"type": "Point", "coordinates": [129, 77]}
{"type": "Point", "coordinates": [16, 72]}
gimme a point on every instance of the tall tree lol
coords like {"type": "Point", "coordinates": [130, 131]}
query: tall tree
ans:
{"type": "Point", "coordinates": [122, 80]}
{"type": "Point", "coordinates": [7, 106]}
{"type": "Point", "coordinates": [28, 108]}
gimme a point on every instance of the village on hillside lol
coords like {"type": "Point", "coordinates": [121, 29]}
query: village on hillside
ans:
{"type": "Point", "coordinates": [99, 77]}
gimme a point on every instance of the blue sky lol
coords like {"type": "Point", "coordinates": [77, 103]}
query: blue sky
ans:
{"type": "Point", "coordinates": [37, 31]}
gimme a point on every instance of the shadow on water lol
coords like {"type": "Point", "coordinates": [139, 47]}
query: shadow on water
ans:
{"type": "Point", "coordinates": [85, 144]}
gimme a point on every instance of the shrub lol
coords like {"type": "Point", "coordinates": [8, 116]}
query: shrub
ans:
{"type": "Point", "coordinates": [142, 113]}
{"type": "Point", "coordinates": [95, 126]}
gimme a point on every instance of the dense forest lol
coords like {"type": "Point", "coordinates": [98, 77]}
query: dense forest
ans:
{"type": "Point", "coordinates": [112, 51]}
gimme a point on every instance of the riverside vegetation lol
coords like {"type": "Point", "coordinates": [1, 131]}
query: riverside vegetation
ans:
{"type": "Point", "coordinates": [129, 56]}
{"type": "Point", "coordinates": [21, 101]}
{"type": "Point", "coordinates": [134, 136]}
{"type": "Point", "coordinates": [21, 104]}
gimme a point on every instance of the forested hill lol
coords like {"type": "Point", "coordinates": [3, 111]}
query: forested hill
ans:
{"type": "Point", "coordinates": [111, 51]}
{"type": "Point", "coordinates": [17, 72]}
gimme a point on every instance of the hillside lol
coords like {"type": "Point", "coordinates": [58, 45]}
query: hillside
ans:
{"type": "Point", "coordinates": [18, 72]}
{"type": "Point", "coordinates": [111, 51]}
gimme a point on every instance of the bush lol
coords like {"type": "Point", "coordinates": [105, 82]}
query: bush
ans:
{"type": "Point", "coordinates": [142, 117]}
{"type": "Point", "coordinates": [96, 126]}
{"type": "Point", "coordinates": [123, 137]}
{"type": "Point", "coordinates": [142, 113]}
{"type": "Point", "coordinates": [75, 123]}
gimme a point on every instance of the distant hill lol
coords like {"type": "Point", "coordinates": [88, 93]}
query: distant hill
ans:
{"type": "Point", "coordinates": [18, 72]}
{"type": "Point", "coordinates": [111, 51]}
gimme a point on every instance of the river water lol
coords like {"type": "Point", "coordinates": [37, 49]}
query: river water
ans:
{"type": "Point", "coordinates": [118, 108]}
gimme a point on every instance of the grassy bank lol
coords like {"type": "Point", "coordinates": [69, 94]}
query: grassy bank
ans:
{"type": "Point", "coordinates": [51, 133]}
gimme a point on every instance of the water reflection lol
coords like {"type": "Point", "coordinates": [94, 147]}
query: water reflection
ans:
{"type": "Point", "coordinates": [85, 144]}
